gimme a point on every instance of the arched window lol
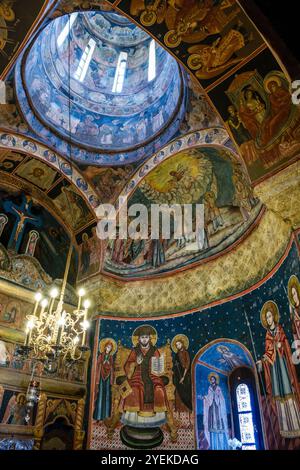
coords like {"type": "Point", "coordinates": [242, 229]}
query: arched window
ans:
{"type": "Point", "coordinates": [245, 407]}
{"type": "Point", "coordinates": [245, 414]}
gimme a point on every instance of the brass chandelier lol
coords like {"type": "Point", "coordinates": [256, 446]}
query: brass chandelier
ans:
{"type": "Point", "coordinates": [52, 331]}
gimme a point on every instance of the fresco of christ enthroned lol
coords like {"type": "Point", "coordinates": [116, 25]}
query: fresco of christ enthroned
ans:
{"type": "Point", "coordinates": [143, 391]}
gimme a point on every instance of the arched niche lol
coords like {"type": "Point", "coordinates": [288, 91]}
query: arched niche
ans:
{"type": "Point", "coordinates": [218, 369]}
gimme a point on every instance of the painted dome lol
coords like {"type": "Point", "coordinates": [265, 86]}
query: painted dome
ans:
{"type": "Point", "coordinates": [123, 90]}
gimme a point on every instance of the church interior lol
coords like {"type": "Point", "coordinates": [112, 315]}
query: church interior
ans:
{"type": "Point", "coordinates": [144, 343]}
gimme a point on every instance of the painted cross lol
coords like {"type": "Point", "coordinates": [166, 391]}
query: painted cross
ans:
{"type": "Point", "coordinates": [24, 216]}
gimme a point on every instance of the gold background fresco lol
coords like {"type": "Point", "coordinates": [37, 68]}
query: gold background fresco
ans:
{"type": "Point", "coordinates": [227, 275]}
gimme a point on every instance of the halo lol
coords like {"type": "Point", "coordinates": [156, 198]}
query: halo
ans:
{"type": "Point", "coordinates": [104, 342]}
{"type": "Point", "coordinates": [222, 346]}
{"type": "Point", "coordinates": [270, 79]}
{"type": "Point", "coordinates": [172, 39]}
{"type": "Point", "coordinates": [19, 396]}
{"type": "Point", "coordinates": [270, 305]}
{"type": "Point", "coordinates": [293, 282]}
{"type": "Point", "coordinates": [148, 18]}
{"type": "Point", "coordinates": [184, 340]}
{"type": "Point", "coordinates": [215, 375]}
{"type": "Point", "coordinates": [150, 330]}
{"type": "Point", "coordinates": [194, 62]}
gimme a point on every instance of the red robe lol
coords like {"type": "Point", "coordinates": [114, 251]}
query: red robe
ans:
{"type": "Point", "coordinates": [280, 101]}
{"type": "Point", "coordinates": [148, 391]}
{"type": "Point", "coordinates": [105, 368]}
{"type": "Point", "coordinates": [285, 351]}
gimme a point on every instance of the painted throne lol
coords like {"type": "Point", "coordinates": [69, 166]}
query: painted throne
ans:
{"type": "Point", "coordinates": [121, 389]}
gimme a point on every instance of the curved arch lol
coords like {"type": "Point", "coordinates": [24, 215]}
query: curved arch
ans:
{"type": "Point", "coordinates": [250, 365]}
{"type": "Point", "coordinates": [12, 183]}
{"type": "Point", "coordinates": [13, 141]}
{"type": "Point", "coordinates": [223, 340]}
{"type": "Point", "coordinates": [84, 153]}
{"type": "Point", "coordinates": [216, 137]}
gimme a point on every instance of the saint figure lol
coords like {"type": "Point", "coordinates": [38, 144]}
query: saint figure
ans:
{"type": "Point", "coordinates": [280, 373]}
{"type": "Point", "coordinates": [147, 397]}
{"type": "Point", "coordinates": [215, 415]}
{"type": "Point", "coordinates": [104, 379]}
{"type": "Point", "coordinates": [294, 299]}
{"type": "Point", "coordinates": [182, 374]}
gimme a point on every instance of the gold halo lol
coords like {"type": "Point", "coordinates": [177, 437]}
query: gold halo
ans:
{"type": "Point", "coordinates": [183, 339]}
{"type": "Point", "coordinates": [168, 39]}
{"type": "Point", "coordinates": [272, 78]}
{"type": "Point", "coordinates": [148, 18]}
{"type": "Point", "coordinates": [293, 282]}
{"type": "Point", "coordinates": [152, 334]}
{"type": "Point", "coordinates": [270, 305]}
{"type": "Point", "coordinates": [7, 13]}
{"type": "Point", "coordinates": [19, 396]}
{"type": "Point", "coordinates": [104, 342]}
{"type": "Point", "coordinates": [215, 375]}
{"type": "Point", "coordinates": [194, 62]}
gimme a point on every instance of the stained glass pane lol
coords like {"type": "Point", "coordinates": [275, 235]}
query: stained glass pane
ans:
{"type": "Point", "coordinates": [246, 428]}
{"type": "Point", "coordinates": [243, 398]}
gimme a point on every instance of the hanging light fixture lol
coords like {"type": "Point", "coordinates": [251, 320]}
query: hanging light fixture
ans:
{"type": "Point", "coordinates": [52, 330]}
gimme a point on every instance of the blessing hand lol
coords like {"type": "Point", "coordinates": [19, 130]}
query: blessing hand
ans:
{"type": "Point", "coordinates": [139, 360]}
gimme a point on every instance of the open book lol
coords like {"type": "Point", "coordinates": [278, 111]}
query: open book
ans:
{"type": "Point", "coordinates": [158, 365]}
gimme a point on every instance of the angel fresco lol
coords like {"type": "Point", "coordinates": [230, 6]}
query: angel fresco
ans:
{"type": "Point", "coordinates": [187, 20]}
{"type": "Point", "coordinates": [280, 373]}
{"type": "Point", "coordinates": [229, 358]}
{"type": "Point", "coordinates": [15, 410]}
{"type": "Point", "coordinates": [209, 60]}
{"type": "Point", "coordinates": [218, 30]}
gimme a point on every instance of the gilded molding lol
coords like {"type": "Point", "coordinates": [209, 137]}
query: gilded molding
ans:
{"type": "Point", "coordinates": [227, 275]}
{"type": "Point", "coordinates": [62, 388]}
{"type": "Point", "coordinates": [281, 194]}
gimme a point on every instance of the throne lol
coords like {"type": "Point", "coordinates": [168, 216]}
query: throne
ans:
{"type": "Point", "coordinates": [147, 435]}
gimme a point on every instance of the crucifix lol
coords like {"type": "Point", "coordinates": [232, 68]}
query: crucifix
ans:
{"type": "Point", "coordinates": [23, 216]}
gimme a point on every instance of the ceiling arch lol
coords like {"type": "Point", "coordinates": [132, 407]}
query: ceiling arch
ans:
{"type": "Point", "coordinates": [47, 186]}
{"type": "Point", "coordinates": [195, 33]}
{"type": "Point", "coordinates": [103, 126]}
{"type": "Point", "coordinates": [17, 142]}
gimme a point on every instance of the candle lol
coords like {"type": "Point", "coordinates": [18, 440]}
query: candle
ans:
{"type": "Point", "coordinates": [26, 342]}
{"type": "Point", "coordinates": [37, 297]}
{"type": "Point", "coordinates": [85, 324]}
{"type": "Point", "coordinates": [61, 323]}
{"type": "Point", "coordinates": [53, 294]}
{"type": "Point", "coordinates": [81, 293]}
{"type": "Point", "coordinates": [30, 326]}
{"type": "Point", "coordinates": [44, 304]}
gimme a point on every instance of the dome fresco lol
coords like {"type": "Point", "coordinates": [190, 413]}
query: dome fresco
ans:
{"type": "Point", "coordinates": [124, 89]}
{"type": "Point", "coordinates": [211, 176]}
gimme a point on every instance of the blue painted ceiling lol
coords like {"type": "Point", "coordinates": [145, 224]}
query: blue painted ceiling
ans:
{"type": "Point", "coordinates": [68, 88]}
